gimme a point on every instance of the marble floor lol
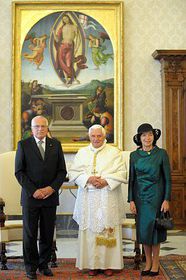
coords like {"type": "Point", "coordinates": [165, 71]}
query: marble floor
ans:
{"type": "Point", "coordinates": [67, 247]}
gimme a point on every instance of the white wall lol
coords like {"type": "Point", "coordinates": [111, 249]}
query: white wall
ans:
{"type": "Point", "coordinates": [149, 25]}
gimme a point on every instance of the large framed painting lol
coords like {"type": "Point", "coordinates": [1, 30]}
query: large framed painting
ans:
{"type": "Point", "coordinates": [68, 66]}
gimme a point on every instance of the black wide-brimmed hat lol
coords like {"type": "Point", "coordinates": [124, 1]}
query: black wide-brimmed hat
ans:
{"type": "Point", "coordinates": [146, 127]}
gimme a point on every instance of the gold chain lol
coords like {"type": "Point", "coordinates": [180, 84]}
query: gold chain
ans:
{"type": "Point", "coordinates": [94, 164]}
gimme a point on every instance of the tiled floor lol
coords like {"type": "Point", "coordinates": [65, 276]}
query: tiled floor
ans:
{"type": "Point", "coordinates": [67, 247]}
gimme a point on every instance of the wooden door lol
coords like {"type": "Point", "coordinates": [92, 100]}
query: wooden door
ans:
{"type": "Point", "coordinates": [173, 71]}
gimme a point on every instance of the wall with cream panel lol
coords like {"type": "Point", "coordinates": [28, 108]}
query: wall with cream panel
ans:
{"type": "Point", "coordinates": [148, 25]}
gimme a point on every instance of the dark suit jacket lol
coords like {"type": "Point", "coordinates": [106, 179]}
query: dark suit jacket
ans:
{"type": "Point", "coordinates": [32, 172]}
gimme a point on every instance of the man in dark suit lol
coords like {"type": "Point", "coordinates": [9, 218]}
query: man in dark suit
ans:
{"type": "Point", "coordinates": [40, 170]}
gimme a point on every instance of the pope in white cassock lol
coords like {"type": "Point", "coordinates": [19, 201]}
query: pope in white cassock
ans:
{"type": "Point", "coordinates": [99, 171]}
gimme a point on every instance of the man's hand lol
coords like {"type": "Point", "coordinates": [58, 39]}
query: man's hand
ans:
{"type": "Point", "coordinates": [47, 191]}
{"type": "Point", "coordinates": [101, 183]}
{"type": "Point", "coordinates": [97, 182]}
{"type": "Point", "coordinates": [38, 194]}
{"type": "Point", "coordinates": [43, 193]}
{"type": "Point", "coordinates": [93, 179]}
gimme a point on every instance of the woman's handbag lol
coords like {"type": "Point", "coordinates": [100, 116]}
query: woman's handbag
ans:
{"type": "Point", "coordinates": [164, 221]}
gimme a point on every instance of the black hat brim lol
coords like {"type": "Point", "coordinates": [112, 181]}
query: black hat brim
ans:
{"type": "Point", "coordinates": [156, 132]}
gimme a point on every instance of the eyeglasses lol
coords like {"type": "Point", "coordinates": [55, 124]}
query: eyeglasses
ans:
{"type": "Point", "coordinates": [39, 126]}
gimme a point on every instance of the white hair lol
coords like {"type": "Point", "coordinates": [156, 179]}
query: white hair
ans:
{"type": "Point", "coordinates": [97, 126]}
{"type": "Point", "coordinates": [39, 117]}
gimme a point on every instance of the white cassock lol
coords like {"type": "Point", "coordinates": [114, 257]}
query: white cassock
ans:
{"type": "Point", "coordinates": [99, 212]}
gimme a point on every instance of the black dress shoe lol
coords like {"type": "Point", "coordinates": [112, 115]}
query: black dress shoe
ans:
{"type": "Point", "coordinates": [145, 272]}
{"type": "Point", "coordinates": [154, 273]}
{"type": "Point", "coordinates": [31, 275]}
{"type": "Point", "coordinates": [46, 271]}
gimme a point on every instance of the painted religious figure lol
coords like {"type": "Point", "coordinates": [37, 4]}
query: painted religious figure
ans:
{"type": "Point", "coordinates": [69, 54]}
{"type": "Point", "coordinates": [68, 76]}
{"type": "Point", "coordinates": [37, 47]}
{"type": "Point", "coordinates": [98, 49]}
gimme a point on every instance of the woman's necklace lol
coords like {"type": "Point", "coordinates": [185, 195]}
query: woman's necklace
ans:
{"type": "Point", "coordinates": [148, 151]}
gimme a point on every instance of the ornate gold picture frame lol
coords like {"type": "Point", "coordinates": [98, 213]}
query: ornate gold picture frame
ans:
{"type": "Point", "coordinates": [68, 66]}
